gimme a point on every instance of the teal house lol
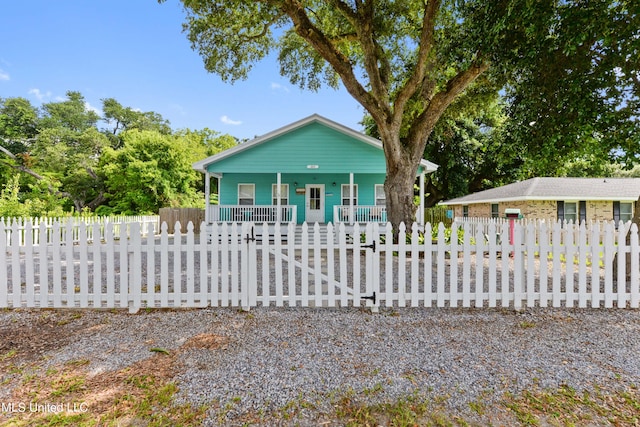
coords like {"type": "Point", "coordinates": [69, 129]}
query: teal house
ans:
{"type": "Point", "coordinates": [313, 170]}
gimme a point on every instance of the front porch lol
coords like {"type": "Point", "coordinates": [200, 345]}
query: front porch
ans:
{"type": "Point", "coordinates": [285, 214]}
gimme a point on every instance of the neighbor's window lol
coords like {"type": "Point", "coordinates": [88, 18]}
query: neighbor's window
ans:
{"type": "Point", "coordinates": [246, 194]}
{"type": "Point", "coordinates": [284, 194]}
{"type": "Point", "coordinates": [495, 210]}
{"type": "Point", "coordinates": [345, 194]}
{"type": "Point", "coordinates": [465, 211]}
{"type": "Point", "coordinates": [571, 212]}
{"type": "Point", "coordinates": [626, 211]}
{"type": "Point", "coordinates": [381, 198]}
{"type": "Point", "coordinates": [622, 211]}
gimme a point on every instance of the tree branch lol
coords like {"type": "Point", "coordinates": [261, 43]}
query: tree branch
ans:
{"type": "Point", "coordinates": [424, 50]}
{"type": "Point", "coordinates": [373, 53]}
{"type": "Point", "coordinates": [265, 30]}
{"type": "Point", "coordinates": [426, 121]}
{"type": "Point", "coordinates": [325, 48]}
{"type": "Point", "coordinates": [28, 171]}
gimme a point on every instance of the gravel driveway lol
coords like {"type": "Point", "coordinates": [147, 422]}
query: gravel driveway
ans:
{"type": "Point", "coordinates": [263, 360]}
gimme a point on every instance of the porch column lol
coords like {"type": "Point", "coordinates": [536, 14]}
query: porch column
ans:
{"type": "Point", "coordinates": [207, 197]}
{"type": "Point", "coordinates": [421, 208]}
{"type": "Point", "coordinates": [351, 211]}
{"type": "Point", "coordinates": [278, 197]}
{"type": "Point", "coordinates": [219, 178]}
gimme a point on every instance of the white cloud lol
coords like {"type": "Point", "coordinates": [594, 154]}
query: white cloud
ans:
{"type": "Point", "coordinates": [278, 86]}
{"type": "Point", "coordinates": [4, 75]}
{"type": "Point", "coordinates": [90, 107]}
{"type": "Point", "coordinates": [36, 92]}
{"type": "Point", "coordinates": [226, 120]}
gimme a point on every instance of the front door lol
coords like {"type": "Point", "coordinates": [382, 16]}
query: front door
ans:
{"type": "Point", "coordinates": [314, 203]}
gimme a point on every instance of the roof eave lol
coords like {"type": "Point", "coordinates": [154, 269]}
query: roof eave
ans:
{"type": "Point", "coordinates": [455, 202]}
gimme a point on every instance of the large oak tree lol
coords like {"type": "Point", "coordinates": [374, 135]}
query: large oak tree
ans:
{"type": "Point", "coordinates": [405, 61]}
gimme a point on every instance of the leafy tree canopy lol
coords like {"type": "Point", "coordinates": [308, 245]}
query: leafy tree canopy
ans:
{"type": "Point", "coordinates": [56, 158]}
{"type": "Point", "coordinates": [406, 62]}
{"type": "Point", "coordinates": [122, 118]}
{"type": "Point", "coordinates": [72, 113]}
{"type": "Point", "coordinates": [151, 171]}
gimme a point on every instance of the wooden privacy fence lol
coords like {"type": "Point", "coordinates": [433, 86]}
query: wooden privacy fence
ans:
{"type": "Point", "coordinates": [239, 265]}
{"type": "Point", "coordinates": [183, 216]}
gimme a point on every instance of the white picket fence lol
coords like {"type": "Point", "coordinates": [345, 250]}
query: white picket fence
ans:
{"type": "Point", "coordinates": [239, 265]}
{"type": "Point", "coordinates": [70, 226]}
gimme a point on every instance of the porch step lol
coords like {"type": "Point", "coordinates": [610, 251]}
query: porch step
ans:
{"type": "Point", "coordinates": [323, 235]}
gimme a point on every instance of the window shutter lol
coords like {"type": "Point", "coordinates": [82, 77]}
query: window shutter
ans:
{"type": "Point", "coordinates": [616, 212]}
{"type": "Point", "coordinates": [560, 210]}
{"type": "Point", "coordinates": [582, 214]}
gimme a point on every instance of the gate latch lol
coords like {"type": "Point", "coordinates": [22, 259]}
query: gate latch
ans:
{"type": "Point", "coordinates": [371, 297]}
{"type": "Point", "coordinates": [371, 246]}
{"type": "Point", "coordinates": [250, 238]}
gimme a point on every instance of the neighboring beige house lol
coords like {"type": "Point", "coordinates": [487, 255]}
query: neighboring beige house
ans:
{"type": "Point", "coordinates": [575, 199]}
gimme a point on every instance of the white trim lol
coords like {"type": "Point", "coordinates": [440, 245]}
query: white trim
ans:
{"type": "Point", "coordinates": [238, 193]}
{"type": "Point", "coordinates": [274, 186]}
{"type": "Point", "coordinates": [352, 196]}
{"type": "Point", "coordinates": [375, 194]}
{"type": "Point", "coordinates": [420, 219]}
{"type": "Point", "coordinates": [207, 195]}
{"type": "Point", "coordinates": [307, 204]}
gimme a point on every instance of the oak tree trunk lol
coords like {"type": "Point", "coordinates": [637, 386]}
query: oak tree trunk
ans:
{"type": "Point", "coordinates": [398, 187]}
{"type": "Point", "coordinates": [402, 165]}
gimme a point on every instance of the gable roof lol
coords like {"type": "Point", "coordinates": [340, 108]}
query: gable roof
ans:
{"type": "Point", "coordinates": [202, 165]}
{"type": "Point", "coordinates": [619, 189]}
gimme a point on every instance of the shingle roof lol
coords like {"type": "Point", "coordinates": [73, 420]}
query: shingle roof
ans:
{"type": "Point", "coordinates": [619, 189]}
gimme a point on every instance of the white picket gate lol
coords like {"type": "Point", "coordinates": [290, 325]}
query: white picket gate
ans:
{"type": "Point", "coordinates": [248, 264]}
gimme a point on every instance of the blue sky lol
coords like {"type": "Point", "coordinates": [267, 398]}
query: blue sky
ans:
{"type": "Point", "coordinates": [135, 51]}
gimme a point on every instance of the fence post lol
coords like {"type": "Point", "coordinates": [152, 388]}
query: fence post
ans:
{"type": "Point", "coordinates": [634, 286]}
{"type": "Point", "coordinates": [248, 266]}
{"type": "Point", "coordinates": [4, 288]}
{"type": "Point", "coordinates": [15, 265]}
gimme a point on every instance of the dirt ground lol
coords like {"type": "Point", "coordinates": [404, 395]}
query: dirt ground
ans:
{"type": "Point", "coordinates": [25, 344]}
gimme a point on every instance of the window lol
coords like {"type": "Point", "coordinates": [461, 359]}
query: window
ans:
{"type": "Point", "coordinates": [495, 210]}
{"type": "Point", "coordinates": [345, 194]}
{"type": "Point", "coordinates": [246, 194]}
{"type": "Point", "coordinates": [568, 212]}
{"type": "Point", "coordinates": [284, 194]}
{"type": "Point", "coordinates": [465, 211]}
{"type": "Point", "coordinates": [381, 198]}
{"type": "Point", "coordinates": [626, 211]}
{"type": "Point", "coordinates": [622, 211]}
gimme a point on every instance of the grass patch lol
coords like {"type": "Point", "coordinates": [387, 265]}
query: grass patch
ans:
{"type": "Point", "coordinates": [565, 406]}
{"type": "Point", "coordinates": [407, 411]}
{"type": "Point", "coordinates": [141, 394]}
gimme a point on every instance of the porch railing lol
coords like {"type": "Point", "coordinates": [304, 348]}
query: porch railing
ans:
{"type": "Point", "coordinates": [253, 213]}
{"type": "Point", "coordinates": [359, 213]}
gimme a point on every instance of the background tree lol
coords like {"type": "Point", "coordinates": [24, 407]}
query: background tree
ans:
{"type": "Point", "coordinates": [122, 118]}
{"type": "Point", "coordinates": [70, 159]}
{"type": "Point", "coordinates": [150, 171]}
{"type": "Point", "coordinates": [18, 127]}
{"type": "Point", "coordinates": [573, 90]}
{"type": "Point", "coordinates": [55, 159]}
{"type": "Point", "coordinates": [71, 114]}
{"type": "Point", "coordinates": [406, 62]}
